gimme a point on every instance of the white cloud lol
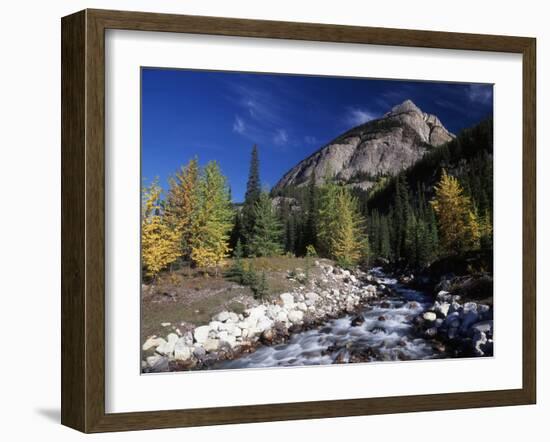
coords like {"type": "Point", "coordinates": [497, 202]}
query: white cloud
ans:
{"type": "Point", "coordinates": [238, 125]}
{"type": "Point", "coordinates": [280, 137]}
{"type": "Point", "coordinates": [309, 139]}
{"type": "Point", "coordinates": [356, 116]}
{"type": "Point", "coordinates": [480, 93]}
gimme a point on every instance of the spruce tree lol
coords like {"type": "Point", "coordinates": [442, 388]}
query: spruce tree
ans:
{"type": "Point", "coordinates": [310, 234]}
{"type": "Point", "coordinates": [265, 239]}
{"type": "Point", "coordinates": [384, 243]}
{"type": "Point", "coordinates": [236, 232]}
{"type": "Point", "coordinates": [236, 271]}
{"type": "Point", "coordinates": [260, 288]}
{"type": "Point", "coordinates": [252, 195]}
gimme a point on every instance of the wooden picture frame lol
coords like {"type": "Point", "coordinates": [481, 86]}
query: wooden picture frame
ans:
{"type": "Point", "coordinates": [83, 220]}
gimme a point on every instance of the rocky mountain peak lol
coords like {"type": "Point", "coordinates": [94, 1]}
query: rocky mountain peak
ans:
{"type": "Point", "coordinates": [406, 106]}
{"type": "Point", "coordinates": [377, 148]}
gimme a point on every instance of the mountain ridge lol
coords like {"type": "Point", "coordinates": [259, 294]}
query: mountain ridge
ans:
{"type": "Point", "coordinates": [383, 146]}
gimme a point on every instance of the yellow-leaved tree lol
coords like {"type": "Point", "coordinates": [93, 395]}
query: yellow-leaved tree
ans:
{"type": "Point", "coordinates": [160, 244]}
{"type": "Point", "coordinates": [457, 222]}
{"type": "Point", "coordinates": [341, 228]}
{"type": "Point", "coordinates": [182, 205]}
{"type": "Point", "coordinates": [213, 220]}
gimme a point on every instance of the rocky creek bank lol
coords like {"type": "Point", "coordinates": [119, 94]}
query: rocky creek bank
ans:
{"type": "Point", "coordinates": [229, 335]}
{"type": "Point", "coordinates": [464, 327]}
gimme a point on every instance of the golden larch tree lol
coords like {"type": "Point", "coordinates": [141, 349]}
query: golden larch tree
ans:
{"type": "Point", "coordinates": [182, 204]}
{"type": "Point", "coordinates": [457, 222]}
{"type": "Point", "coordinates": [341, 227]}
{"type": "Point", "coordinates": [160, 244]}
{"type": "Point", "coordinates": [214, 219]}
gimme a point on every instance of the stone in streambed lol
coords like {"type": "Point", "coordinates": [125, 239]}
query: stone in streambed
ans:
{"type": "Point", "coordinates": [441, 308]}
{"type": "Point", "coordinates": [312, 298]}
{"type": "Point", "coordinates": [157, 363]}
{"type": "Point", "coordinates": [153, 342]}
{"type": "Point", "coordinates": [226, 338]}
{"type": "Point", "coordinates": [453, 320]}
{"type": "Point", "coordinates": [429, 316]}
{"type": "Point", "coordinates": [201, 333]}
{"type": "Point", "coordinates": [483, 326]}
{"type": "Point", "coordinates": [469, 318]}
{"type": "Point", "coordinates": [443, 296]}
{"type": "Point", "coordinates": [182, 351]}
{"type": "Point", "coordinates": [479, 340]}
{"type": "Point", "coordinates": [211, 344]}
{"type": "Point", "coordinates": [167, 348]}
{"type": "Point", "coordinates": [431, 332]}
{"type": "Point", "coordinates": [287, 299]}
{"type": "Point", "coordinates": [296, 316]}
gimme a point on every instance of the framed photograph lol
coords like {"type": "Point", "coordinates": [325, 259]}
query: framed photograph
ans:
{"type": "Point", "coordinates": [266, 221]}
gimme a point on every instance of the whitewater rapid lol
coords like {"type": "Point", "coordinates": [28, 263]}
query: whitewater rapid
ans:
{"type": "Point", "coordinates": [381, 331]}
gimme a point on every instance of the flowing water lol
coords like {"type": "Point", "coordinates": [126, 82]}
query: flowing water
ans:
{"type": "Point", "coordinates": [386, 334]}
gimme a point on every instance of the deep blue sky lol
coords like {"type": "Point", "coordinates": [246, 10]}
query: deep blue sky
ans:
{"type": "Point", "coordinates": [220, 115]}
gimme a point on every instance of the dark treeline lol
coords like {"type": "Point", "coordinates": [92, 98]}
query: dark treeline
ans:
{"type": "Point", "coordinates": [402, 225]}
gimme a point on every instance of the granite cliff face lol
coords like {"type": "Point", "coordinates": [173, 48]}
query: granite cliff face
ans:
{"type": "Point", "coordinates": [380, 147]}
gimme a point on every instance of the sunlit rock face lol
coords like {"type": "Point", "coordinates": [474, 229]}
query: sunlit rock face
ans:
{"type": "Point", "coordinates": [377, 148]}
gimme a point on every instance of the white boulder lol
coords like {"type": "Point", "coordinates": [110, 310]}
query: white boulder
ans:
{"type": "Point", "coordinates": [312, 298]}
{"type": "Point", "coordinates": [201, 333]}
{"type": "Point", "coordinates": [167, 348]}
{"type": "Point", "coordinates": [429, 316]}
{"type": "Point", "coordinates": [211, 344]}
{"type": "Point", "coordinates": [153, 342]}
{"type": "Point", "coordinates": [442, 308]}
{"type": "Point", "coordinates": [287, 299]}
{"type": "Point", "coordinates": [215, 325]}
{"type": "Point", "coordinates": [182, 351]}
{"type": "Point", "coordinates": [296, 316]}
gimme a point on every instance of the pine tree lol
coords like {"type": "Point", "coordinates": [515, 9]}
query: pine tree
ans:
{"type": "Point", "coordinates": [385, 246]}
{"type": "Point", "coordinates": [182, 204]}
{"type": "Point", "coordinates": [401, 213]}
{"type": "Point", "coordinates": [160, 244]}
{"type": "Point", "coordinates": [290, 235]}
{"type": "Point", "coordinates": [458, 224]}
{"type": "Point", "coordinates": [236, 235]}
{"type": "Point", "coordinates": [252, 195]}
{"type": "Point", "coordinates": [236, 271]}
{"type": "Point", "coordinates": [486, 230]}
{"type": "Point", "coordinates": [310, 234]}
{"type": "Point", "coordinates": [266, 233]}
{"type": "Point", "coordinates": [250, 277]}
{"type": "Point", "coordinates": [214, 218]}
{"type": "Point", "coordinates": [433, 237]}
{"type": "Point", "coordinates": [260, 288]}
{"type": "Point", "coordinates": [374, 234]}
